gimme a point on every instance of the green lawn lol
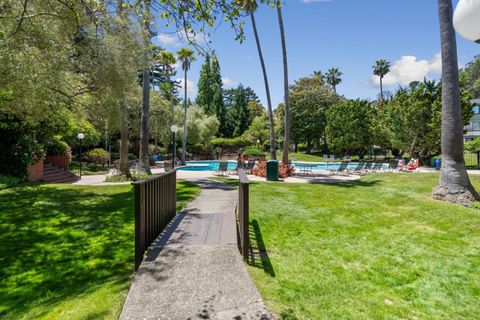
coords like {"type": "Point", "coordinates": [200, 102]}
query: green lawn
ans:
{"type": "Point", "coordinates": [378, 248]}
{"type": "Point", "coordinates": [67, 251]}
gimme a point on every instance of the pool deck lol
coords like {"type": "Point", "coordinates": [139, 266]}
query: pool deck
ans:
{"type": "Point", "coordinates": [317, 177]}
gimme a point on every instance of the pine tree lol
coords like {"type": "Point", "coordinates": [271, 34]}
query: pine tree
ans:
{"type": "Point", "coordinates": [205, 94]}
{"type": "Point", "coordinates": [217, 97]}
{"type": "Point", "coordinates": [239, 114]}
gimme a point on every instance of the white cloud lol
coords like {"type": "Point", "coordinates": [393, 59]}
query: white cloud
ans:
{"type": "Point", "coordinates": [191, 87]}
{"type": "Point", "coordinates": [408, 69]}
{"type": "Point", "coordinates": [227, 82]}
{"type": "Point", "coordinates": [168, 40]}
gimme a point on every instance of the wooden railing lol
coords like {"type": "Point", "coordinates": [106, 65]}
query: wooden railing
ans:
{"type": "Point", "coordinates": [155, 207]}
{"type": "Point", "coordinates": [243, 212]}
{"type": "Point", "coordinates": [59, 161]}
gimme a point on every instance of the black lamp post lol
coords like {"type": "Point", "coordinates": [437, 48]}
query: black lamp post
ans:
{"type": "Point", "coordinates": [174, 130]}
{"type": "Point", "coordinates": [80, 137]}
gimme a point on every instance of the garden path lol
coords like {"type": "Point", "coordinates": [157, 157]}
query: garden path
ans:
{"type": "Point", "coordinates": [194, 269]}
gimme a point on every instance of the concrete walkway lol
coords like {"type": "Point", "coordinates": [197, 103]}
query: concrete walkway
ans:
{"type": "Point", "coordinates": [194, 270]}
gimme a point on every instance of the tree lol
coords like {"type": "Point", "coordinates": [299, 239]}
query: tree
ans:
{"type": "Point", "coordinates": [454, 183]}
{"type": "Point", "coordinates": [186, 56]}
{"type": "Point", "coordinates": [348, 126]}
{"type": "Point", "coordinates": [250, 6]}
{"type": "Point", "coordinates": [238, 112]}
{"type": "Point", "coordinates": [471, 76]}
{"type": "Point", "coordinates": [333, 78]}
{"type": "Point", "coordinates": [218, 104]}
{"type": "Point", "coordinates": [286, 138]}
{"type": "Point", "coordinates": [256, 109]}
{"type": "Point", "coordinates": [205, 95]}
{"type": "Point", "coordinates": [310, 99]}
{"type": "Point", "coordinates": [259, 128]}
{"type": "Point", "coordinates": [380, 69]}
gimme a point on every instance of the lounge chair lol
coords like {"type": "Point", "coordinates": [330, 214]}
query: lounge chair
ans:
{"type": "Point", "coordinates": [359, 168]}
{"type": "Point", "coordinates": [240, 165]}
{"type": "Point", "coordinates": [378, 166]}
{"type": "Point", "coordinates": [393, 166]}
{"type": "Point", "coordinates": [342, 169]}
{"type": "Point", "coordinates": [250, 166]}
{"type": "Point", "coordinates": [222, 169]}
{"type": "Point", "coordinates": [368, 166]}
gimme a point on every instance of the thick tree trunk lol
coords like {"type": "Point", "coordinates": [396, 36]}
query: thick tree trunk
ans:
{"type": "Point", "coordinates": [124, 165]}
{"type": "Point", "coordinates": [454, 184]}
{"type": "Point", "coordinates": [286, 139]}
{"type": "Point", "coordinates": [185, 104]}
{"type": "Point", "coordinates": [273, 150]}
{"type": "Point", "coordinates": [144, 133]}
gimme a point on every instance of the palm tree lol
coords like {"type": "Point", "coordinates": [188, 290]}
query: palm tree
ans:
{"type": "Point", "coordinates": [333, 78]}
{"type": "Point", "coordinates": [381, 68]}
{"type": "Point", "coordinates": [250, 6]}
{"type": "Point", "coordinates": [186, 56]}
{"type": "Point", "coordinates": [286, 139]}
{"type": "Point", "coordinates": [454, 183]}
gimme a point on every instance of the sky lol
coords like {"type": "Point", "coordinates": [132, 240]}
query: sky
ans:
{"type": "Point", "coordinates": [320, 34]}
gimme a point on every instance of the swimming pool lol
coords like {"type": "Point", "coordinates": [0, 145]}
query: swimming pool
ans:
{"type": "Point", "coordinates": [315, 166]}
{"type": "Point", "coordinates": [206, 165]}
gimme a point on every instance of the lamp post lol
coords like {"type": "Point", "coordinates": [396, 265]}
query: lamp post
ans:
{"type": "Point", "coordinates": [258, 144]}
{"type": "Point", "coordinates": [80, 137]}
{"type": "Point", "coordinates": [174, 130]}
{"type": "Point", "coordinates": [466, 19]}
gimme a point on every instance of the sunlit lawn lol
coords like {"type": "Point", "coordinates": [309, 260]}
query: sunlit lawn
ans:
{"type": "Point", "coordinates": [66, 251]}
{"type": "Point", "coordinates": [379, 248]}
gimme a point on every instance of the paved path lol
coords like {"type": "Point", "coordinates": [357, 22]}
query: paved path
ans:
{"type": "Point", "coordinates": [194, 270]}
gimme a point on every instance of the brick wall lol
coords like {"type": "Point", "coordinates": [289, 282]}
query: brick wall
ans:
{"type": "Point", "coordinates": [35, 171]}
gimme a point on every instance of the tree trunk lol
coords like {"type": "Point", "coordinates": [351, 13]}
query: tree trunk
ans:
{"type": "Point", "coordinates": [273, 151]}
{"type": "Point", "coordinates": [381, 88]}
{"type": "Point", "coordinates": [286, 139]}
{"type": "Point", "coordinates": [144, 133]}
{"type": "Point", "coordinates": [124, 165]}
{"type": "Point", "coordinates": [454, 183]}
{"type": "Point", "coordinates": [185, 104]}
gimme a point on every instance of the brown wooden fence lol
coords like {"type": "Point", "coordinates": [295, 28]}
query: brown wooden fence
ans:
{"type": "Point", "coordinates": [243, 212]}
{"type": "Point", "coordinates": [155, 207]}
{"type": "Point", "coordinates": [59, 161]}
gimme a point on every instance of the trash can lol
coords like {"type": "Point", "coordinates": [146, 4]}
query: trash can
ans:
{"type": "Point", "coordinates": [272, 170]}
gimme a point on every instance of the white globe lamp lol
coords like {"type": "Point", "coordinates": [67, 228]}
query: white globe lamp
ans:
{"type": "Point", "coordinates": [466, 19]}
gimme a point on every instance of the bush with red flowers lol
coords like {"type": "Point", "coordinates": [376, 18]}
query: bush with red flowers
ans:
{"type": "Point", "coordinates": [284, 171]}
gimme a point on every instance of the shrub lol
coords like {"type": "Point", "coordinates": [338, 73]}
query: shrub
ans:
{"type": "Point", "coordinates": [232, 143]}
{"type": "Point", "coordinates": [98, 156]}
{"type": "Point", "coordinates": [284, 171]}
{"type": "Point", "coordinates": [56, 147]}
{"type": "Point", "coordinates": [9, 181]}
{"type": "Point", "coordinates": [254, 152]}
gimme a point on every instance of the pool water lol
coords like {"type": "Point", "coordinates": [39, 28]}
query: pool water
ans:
{"type": "Point", "coordinates": [206, 166]}
{"type": "Point", "coordinates": [213, 165]}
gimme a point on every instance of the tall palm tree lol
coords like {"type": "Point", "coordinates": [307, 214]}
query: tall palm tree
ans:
{"type": "Point", "coordinates": [333, 78]}
{"type": "Point", "coordinates": [381, 68]}
{"type": "Point", "coordinates": [454, 183]}
{"type": "Point", "coordinates": [250, 6]}
{"type": "Point", "coordinates": [186, 56]}
{"type": "Point", "coordinates": [286, 138]}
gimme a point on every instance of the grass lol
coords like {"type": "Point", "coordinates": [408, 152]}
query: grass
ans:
{"type": "Point", "coordinates": [67, 252]}
{"type": "Point", "coordinates": [377, 248]}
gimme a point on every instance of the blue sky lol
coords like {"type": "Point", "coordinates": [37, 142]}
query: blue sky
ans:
{"type": "Point", "coordinates": [348, 34]}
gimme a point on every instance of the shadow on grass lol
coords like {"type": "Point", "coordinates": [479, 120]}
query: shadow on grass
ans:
{"type": "Point", "coordinates": [258, 251]}
{"type": "Point", "coordinates": [57, 242]}
{"type": "Point", "coordinates": [352, 183]}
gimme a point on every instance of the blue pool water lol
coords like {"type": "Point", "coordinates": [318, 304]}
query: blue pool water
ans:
{"type": "Point", "coordinates": [206, 166]}
{"type": "Point", "coordinates": [213, 165]}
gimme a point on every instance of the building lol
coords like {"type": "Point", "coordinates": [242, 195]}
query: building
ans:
{"type": "Point", "coordinates": [472, 129]}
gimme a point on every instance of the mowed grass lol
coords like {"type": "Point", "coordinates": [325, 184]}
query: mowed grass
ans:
{"type": "Point", "coordinates": [67, 252]}
{"type": "Point", "coordinates": [378, 248]}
